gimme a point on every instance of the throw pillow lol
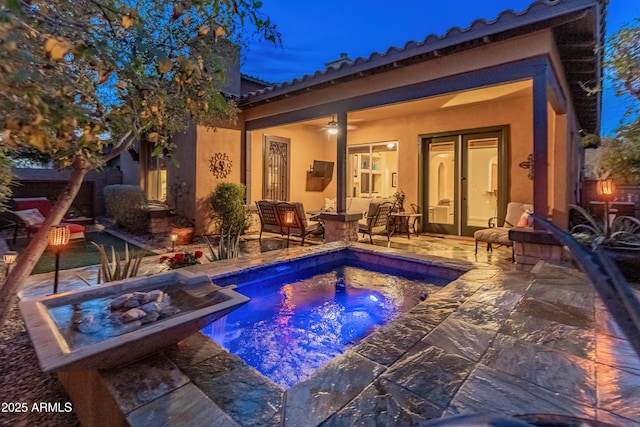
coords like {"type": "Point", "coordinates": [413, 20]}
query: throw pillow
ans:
{"type": "Point", "coordinates": [329, 204]}
{"type": "Point", "coordinates": [30, 216]}
{"type": "Point", "coordinates": [526, 220]}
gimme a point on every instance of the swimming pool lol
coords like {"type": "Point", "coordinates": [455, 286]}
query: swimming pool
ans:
{"type": "Point", "coordinates": [301, 316]}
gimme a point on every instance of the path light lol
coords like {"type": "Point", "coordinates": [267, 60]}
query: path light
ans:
{"type": "Point", "coordinates": [9, 258]}
{"type": "Point", "coordinates": [288, 220]}
{"type": "Point", "coordinates": [58, 237]}
{"type": "Point", "coordinates": [606, 191]}
{"type": "Point", "coordinates": [173, 237]}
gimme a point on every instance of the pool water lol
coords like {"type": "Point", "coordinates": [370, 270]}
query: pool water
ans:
{"type": "Point", "coordinates": [293, 326]}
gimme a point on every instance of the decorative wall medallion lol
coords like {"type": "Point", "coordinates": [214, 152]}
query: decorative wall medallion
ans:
{"type": "Point", "coordinates": [220, 165]}
{"type": "Point", "coordinates": [528, 164]}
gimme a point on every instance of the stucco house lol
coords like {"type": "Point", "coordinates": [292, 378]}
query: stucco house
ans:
{"type": "Point", "coordinates": [462, 123]}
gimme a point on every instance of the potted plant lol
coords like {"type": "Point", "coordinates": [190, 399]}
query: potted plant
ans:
{"type": "Point", "coordinates": [182, 230]}
{"type": "Point", "coordinates": [590, 140]}
{"type": "Point", "coordinates": [182, 227]}
{"type": "Point", "coordinates": [231, 218]}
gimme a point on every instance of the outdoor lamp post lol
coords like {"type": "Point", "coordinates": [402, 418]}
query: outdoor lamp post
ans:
{"type": "Point", "coordinates": [606, 190]}
{"type": "Point", "coordinates": [58, 237]}
{"type": "Point", "coordinates": [288, 221]}
{"type": "Point", "coordinates": [173, 237]}
{"type": "Point", "coordinates": [9, 258]}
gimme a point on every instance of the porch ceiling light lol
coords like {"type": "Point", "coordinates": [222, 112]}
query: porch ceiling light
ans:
{"type": "Point", "coordinates": [332, 127]}
{"type": "Point", "coordinates": [391, 145]}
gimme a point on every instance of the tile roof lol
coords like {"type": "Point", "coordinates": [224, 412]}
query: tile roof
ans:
{"type": "Point", "coordinates": [539, 14]}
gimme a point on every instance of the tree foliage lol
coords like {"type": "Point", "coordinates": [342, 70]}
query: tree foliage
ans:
{"type": "Point", "coordinates": [80, 79]}
{"type": "Point", "coordinates": [620, 159]}
{"type": "Point", "coordinates": [77, 75]}
{"type": "Point", "coordinates": [621, 155]}
{"type": "Point", "coordinates": [623, 60]}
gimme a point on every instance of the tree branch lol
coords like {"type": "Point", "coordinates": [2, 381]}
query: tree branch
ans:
{"type": "Point", "coordinates": [120, 147]}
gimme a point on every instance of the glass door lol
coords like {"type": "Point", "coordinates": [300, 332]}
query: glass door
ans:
{"type": "Point", "coordinates": [479, 181]}
{"type": "Point", "coordinates": [462, 178]}
{"type": "Point", "coordinates": [442, 185]}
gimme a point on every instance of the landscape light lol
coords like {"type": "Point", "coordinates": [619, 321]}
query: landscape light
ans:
{"type": "Point", "coordinates": [173, 237]}
{"type": "Point", "coordinates": [58, 237]}
{"type": "Point", "coordinates": [9, 258]}
{"type": "Point", "coordinates": [288, 220]}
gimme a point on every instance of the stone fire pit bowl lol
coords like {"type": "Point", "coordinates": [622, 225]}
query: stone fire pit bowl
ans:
{"type": "Point", "coordinates": [89, 328]}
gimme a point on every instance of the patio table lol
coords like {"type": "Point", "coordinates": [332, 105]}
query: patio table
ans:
{"type": "Point", "coordinates": [402, 222]}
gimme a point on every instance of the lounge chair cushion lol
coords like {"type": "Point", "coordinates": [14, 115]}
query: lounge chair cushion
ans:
{"type": "Point", "coordinates": [515, 211]}
{"type": "Point", "coordinates": [41, 203]}
{"type": "Point", "coordinates": [30, 217]}
{"type": "Point", "coordinates": [498, 235]}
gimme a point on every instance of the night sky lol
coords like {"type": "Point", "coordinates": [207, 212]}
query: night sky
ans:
{"type": "Point", "coordinates": [317, 32]}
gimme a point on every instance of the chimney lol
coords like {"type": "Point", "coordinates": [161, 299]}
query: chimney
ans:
{"type": "Point", "coordinates": [337, 63]}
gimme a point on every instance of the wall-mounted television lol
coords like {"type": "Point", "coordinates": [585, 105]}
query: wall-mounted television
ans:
{"type": "Point", "coordinates": [322, 169]}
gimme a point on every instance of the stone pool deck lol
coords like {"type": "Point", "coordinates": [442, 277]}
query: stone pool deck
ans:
{"type": "Point", "coordinates": [496, 340]}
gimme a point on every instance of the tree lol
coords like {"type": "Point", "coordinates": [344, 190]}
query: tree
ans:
{"type": "Point", "coordinates": [81, 79]}
{"type": "Point", "coordinates": [621, 154]}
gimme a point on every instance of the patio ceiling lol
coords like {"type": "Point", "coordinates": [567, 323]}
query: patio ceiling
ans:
{"type": "Point", "coordinates": [428, 105]}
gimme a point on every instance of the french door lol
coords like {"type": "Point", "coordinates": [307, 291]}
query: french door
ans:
{"type": "Point", "coordinates": [463, 179]}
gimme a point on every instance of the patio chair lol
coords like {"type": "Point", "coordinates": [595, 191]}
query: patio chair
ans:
{"type": "Point", "coordinates": [377, 221]}
{"type": "Point", "coordinates": [300, 226]}
{"type": "Point", "coordinates": [498, 231]}
{"type": "Point", "coordinates": [269, 220]}
{"type": "Point", "coordinates": [32, 212]}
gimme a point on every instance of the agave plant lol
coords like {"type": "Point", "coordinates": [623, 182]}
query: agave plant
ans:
{"type": "Point", "coordinates": [622, 232]}
{"type": "Point", "coordinates": [116, 269]}
{"type": "Point", "coordinates": [228, 247]}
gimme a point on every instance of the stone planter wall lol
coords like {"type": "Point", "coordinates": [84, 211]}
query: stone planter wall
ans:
{"type": "Point", "coordinates": [531, 246]}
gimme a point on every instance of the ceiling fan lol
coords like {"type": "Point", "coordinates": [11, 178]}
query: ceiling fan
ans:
{"type": "Point", "coordinates": [332, 127]}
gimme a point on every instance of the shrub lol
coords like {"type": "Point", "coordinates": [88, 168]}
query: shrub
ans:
{"type": "Point", "coordinates": [227, 203]}
{"type": "Point", "coordinates": [5, 180]}
{"type": "Point", "coordinates": [127, 205]}
{"type": "Point", "coordinates": [231, 217]}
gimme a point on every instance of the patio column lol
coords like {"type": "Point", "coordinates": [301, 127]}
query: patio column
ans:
{"type": "Point", "coordinates": [340, 226]}
{"type": "Point", "coordinates": [540, 147]}
{"type": "Point", "coordinates": [341, 163]}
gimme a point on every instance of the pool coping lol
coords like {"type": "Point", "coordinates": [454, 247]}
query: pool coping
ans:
{"type": "Point", "coordinates": [197, 376]}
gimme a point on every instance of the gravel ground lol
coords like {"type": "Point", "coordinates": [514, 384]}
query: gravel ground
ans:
{"type": "Point", "coordinates": [23, 384]}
